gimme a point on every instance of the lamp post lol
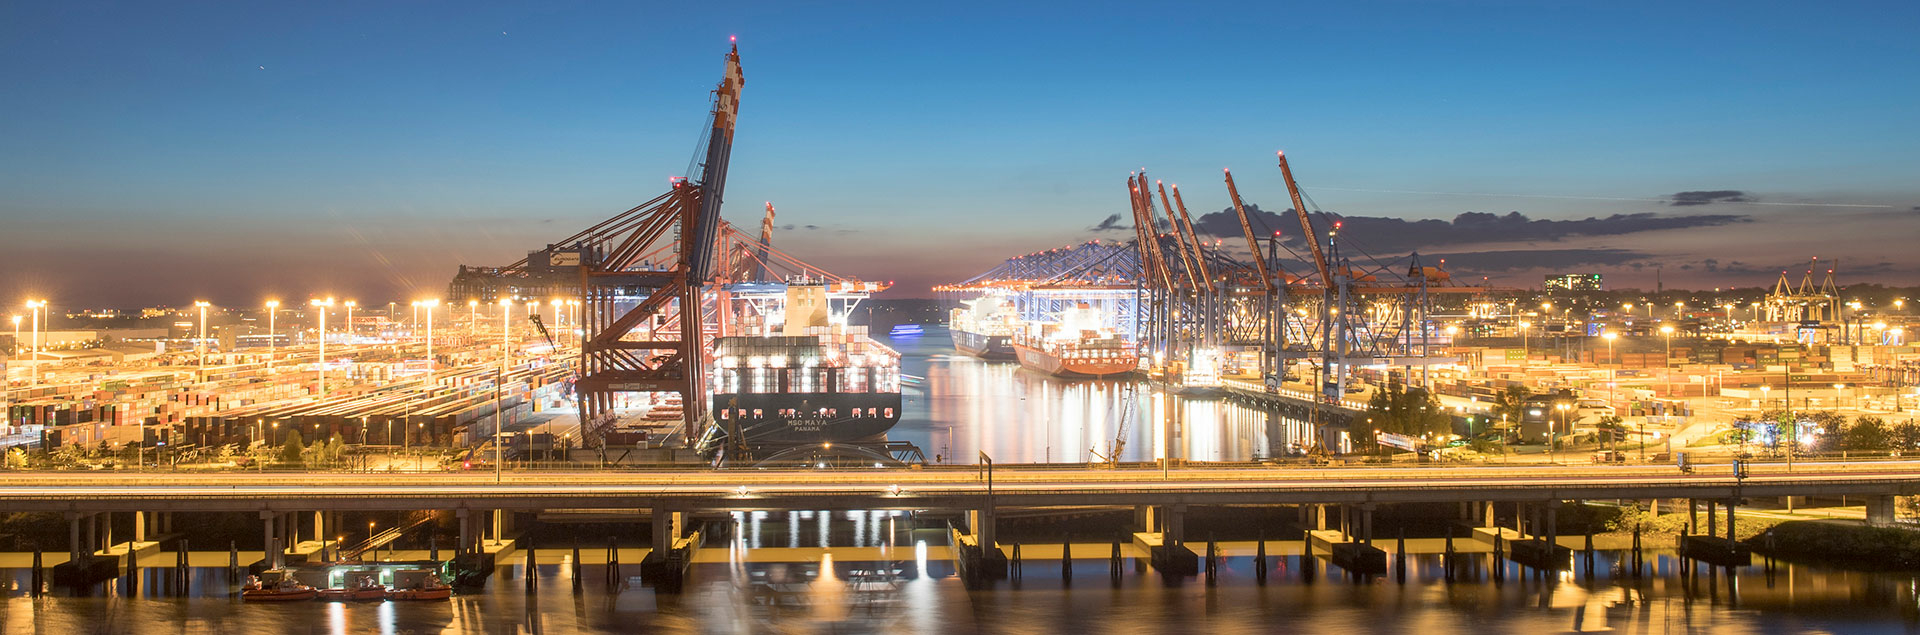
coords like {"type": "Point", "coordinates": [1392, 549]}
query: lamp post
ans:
{"type": "Point", "coordinates": [322, 304]}
{"type": "Point", "coordinates": [350, 304]}
{"type": "Point", "coordinates": [499, 381]}
{"type": "Point", "coordinates": [1612, 366]}
{"type": "Point", "coordinates": [273, 310]}
{"type": "Point", "coordinates": [1524, 352]}
{"type": "Point", "coordinates": [1552, 447]}
{"type": "Point", "coordinates": [473, 320]}
{"type": "Point", "coordinates": [1667, 330]}
{"type": "Point", "coordinates": [201, 344]}
{"type": "Point", "coordinates": [33, 306]}
{"type": "Point", "coordinates": [429, 304]}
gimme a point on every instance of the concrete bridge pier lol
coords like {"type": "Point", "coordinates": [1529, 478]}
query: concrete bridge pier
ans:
{"type": "Point", "coordinates": [1880, 510]}
{"type": "Point", "coordinates": [81, 568]}
{"type": "Point", "coordinates": [270, 539]}
{"type": "Point", "coordinates": [1537, 543]}
{"type": "Point", "coordinates": [667, 562]}
{"type": "Point", "coordinates": [1166, 544]}
{"type": "Point", "coordinates": [1713, 549]}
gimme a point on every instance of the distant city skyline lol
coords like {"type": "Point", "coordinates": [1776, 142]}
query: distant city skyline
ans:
{"type": "Point", "coordinates": [159, 154]}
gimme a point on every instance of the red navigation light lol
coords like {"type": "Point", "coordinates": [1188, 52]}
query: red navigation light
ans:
{"type": "Point", "coordinates": [1276, 232]}
{"type": "Point", "coordinates": [733, 38]}
{"type": "Point", "coordinates": [1337, 224]}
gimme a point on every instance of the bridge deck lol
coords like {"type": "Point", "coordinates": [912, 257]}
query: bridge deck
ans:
{"type": "Point", "coordinates": [936, 489]}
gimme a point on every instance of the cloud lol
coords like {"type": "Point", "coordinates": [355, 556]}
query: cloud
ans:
{"type": "Point", "coordinates": [1703, 197]}
{"type": "Point", "coordinates": [1386, 236]}
{"type": "Point", "coordinates": [1109, 224]}
{"type": "Point", "coordinates": [1517, 260]}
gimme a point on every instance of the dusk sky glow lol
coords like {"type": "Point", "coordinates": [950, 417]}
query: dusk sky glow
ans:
{"type": "Point", "coordinates": [157, 153]}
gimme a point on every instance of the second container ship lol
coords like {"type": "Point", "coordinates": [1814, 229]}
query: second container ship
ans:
{"type": "Point", "coordinates": [1079, 345]}
{"type": "Point", "coordinates": [983, 328]}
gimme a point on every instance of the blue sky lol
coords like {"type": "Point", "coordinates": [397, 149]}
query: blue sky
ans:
{"type": "Point", "coordinates": [156, 153]}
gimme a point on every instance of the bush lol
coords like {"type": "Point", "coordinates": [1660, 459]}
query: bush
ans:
{"type": "Point", "coordinates": [1876, 546]}
{"type": "Point", "coordinates": [291, 450]}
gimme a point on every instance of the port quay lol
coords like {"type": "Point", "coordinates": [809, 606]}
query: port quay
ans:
{"type": "Point", "coordinates": [664, 419]}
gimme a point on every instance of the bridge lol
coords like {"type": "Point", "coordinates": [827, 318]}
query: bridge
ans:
{"type": "Point", "coordinates": [1160, 496]}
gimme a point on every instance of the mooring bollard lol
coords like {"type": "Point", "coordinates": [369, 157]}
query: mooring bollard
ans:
{"type": "Point", "coordinates": [1013, 567]}
{"type": "Point", "coordinates": [613, 564]}
{"type": "Point", "coordinates": [1260, 560]}
{"type": "Point", "coordinates": [1213, 556]}
{"type": "Point", "coordinates": [1306, 557]}
{"type": "Point", "coordinates": [39, 573]}
{"type": "Point", "coordinates": [1636, 552]}
{"type": "Point", "coordinates": [1400, 557]}
{"type": "Point", "coordinates": [1499, 567]}
{"type": "Point", "coordinates": [532, 570]}
{"type": "Point", "coordinates": [574, 571]}
{"type": "Point", "coordinates": [1589, 554]}
{"type": "Point", "coordinates": [180, 566]}
{"type": "Point", "coordinates": [1066, 561]}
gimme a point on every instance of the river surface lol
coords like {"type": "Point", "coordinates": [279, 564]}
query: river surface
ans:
{"type": "Point", "coordinates": [899, 583]}
{"type": "Point", "coordinates": [965, 406]}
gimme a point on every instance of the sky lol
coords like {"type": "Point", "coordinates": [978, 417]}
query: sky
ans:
{"type": "Point", "coordinates": [158, 153]}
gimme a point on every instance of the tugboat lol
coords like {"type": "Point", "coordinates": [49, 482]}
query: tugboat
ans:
{"type": "Point", "coordinates": [428, 587]}
{"type": "Point", "coordinates": [283, 590]}
{"type": "Point", "coordinates": [983, 328]}
{"type": "Point", "coordinates": [362, 586]}
{"type": "Point", "coordinates": [1077, 346]}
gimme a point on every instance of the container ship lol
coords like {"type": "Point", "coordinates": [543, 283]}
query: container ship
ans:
{"type": "Point", "coordinates": [1077, 346]}
{"type": "Point", "coordinates": [815, 381]}
{"type": "Point", "coordinates": [983, 328]}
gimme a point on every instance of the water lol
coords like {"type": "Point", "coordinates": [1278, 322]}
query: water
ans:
{"type": "Point", "coordinates": [903, 586]}
{"type": "Point", "coordinates": [967, 406]}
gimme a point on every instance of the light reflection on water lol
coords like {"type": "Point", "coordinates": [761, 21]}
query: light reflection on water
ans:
{"type": "Point", "coordinates": [967, 406]}
{"type": "Point", "coordinates": [907, 591]}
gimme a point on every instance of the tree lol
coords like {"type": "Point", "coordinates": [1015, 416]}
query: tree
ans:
{"type": "Point", "coordinates": [291, 450]}
{"type": "Point", "coordinates": [1830, 425]}
{"type": "Point", "coordinates": [336, 448]}
{"type": "Point", "coordinates": [1614, 426]}
{"type": "Point", "coordinates": [1510, 403]}
{"type": "Point", "coordinates": [1906, 435]}
{"type": "Point", "coordinates": [1411, 412]}
{"type": "Point", "coordinates": [1867, 434]}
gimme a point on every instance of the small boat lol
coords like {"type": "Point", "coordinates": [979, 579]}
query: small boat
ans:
{"type": "Point", "coordinates": [364, 593]}
{"type": "Point", "coordinates": [286, 590]}
{"type": "Point", "coordinates": [428, 587]}
{"type": "Point", "coordinates": [423, 593]}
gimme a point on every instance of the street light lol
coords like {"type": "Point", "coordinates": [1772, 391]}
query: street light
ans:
{"type": "Point", "coordinates": [1667, 330]}
{"type": "Point", "coordinates": [1612, 365]}
{"type": "Point", "coordinates": [34, 307]}
{"type": "Point", "coordinates": [273, 310]}
{"type": "Point", "coordinates": [506, 357]}
{"type": "Point", "coordinates": [1524, 327]}
{"type": "Point", "coordinates": [473, 320]}
{"type": "Point", "coordinates": [201, 345]}
{"type": "Point", "coordinates": [1554, 448]}
{"type": "Point", "coordinates": [350, 304]}
{"type": "Point", "coordinates": [429, 304]}
{"type": "Point", "coordinates": [323, 304]}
